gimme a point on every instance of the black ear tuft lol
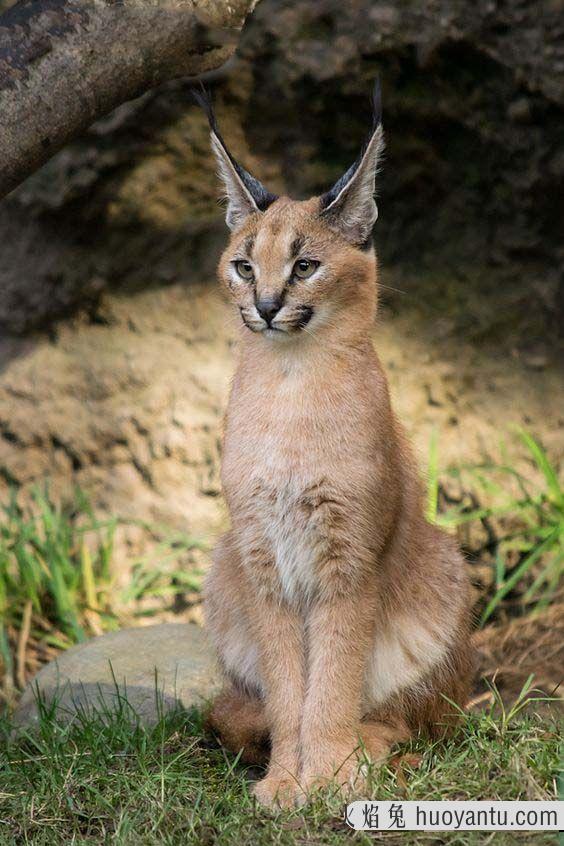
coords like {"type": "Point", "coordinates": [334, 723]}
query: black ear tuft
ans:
{"type": "Point", "coordinates": [376, 105]}
{"type": "Point", "coordinates": [203, 98]}
{"type": "Point", "coordinates": [349, 206]}
{"type": "Point", "coordinates": [376, 100]}
{"type": "Point", "coordinates": [258, 195]}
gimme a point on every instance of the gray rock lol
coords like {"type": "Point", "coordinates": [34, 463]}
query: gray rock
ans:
{"type": "Point", "coordinates": [154, 669]}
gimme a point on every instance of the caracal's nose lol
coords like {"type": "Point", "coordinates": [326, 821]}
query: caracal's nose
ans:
{"type": "Point", "coordinates": [269, 308]}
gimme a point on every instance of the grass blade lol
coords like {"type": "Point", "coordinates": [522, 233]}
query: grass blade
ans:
{"type": "Point", "coordinates": [433, 478]}
{"type": "Point", "coordinates": [516, 575]}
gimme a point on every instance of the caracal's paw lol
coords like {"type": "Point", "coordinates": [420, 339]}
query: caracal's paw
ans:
{"type": "Point", "coordinates": [345, 785]}
{"type": "Point", "coordinates": [276, 791]}
{"type": "Point", "coordinates": [341, 772]}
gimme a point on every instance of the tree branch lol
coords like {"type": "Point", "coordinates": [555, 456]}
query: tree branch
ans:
{"type": "Point", "coordinates": [65, 63]}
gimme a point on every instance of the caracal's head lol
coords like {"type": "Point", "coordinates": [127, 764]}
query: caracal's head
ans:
{"type": "Point", "coordinates": [294, 268]}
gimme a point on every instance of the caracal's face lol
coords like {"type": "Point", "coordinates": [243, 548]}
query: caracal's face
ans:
{"type": "Point", "coordinates": [288, 273]}
{"type": "Point", "coordinates": [293, 268]}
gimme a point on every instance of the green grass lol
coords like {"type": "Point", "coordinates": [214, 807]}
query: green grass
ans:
{"type": "Point", "coordinates": [153, 576]}
{"type": "Point", "coordinates": [54, 573]}
{"type": "Point", "coordinates": [105, 779]}
{"type": "Point", "coordinates": [528, 555]}
{"type": "Point", "coordinates": [57, 577]}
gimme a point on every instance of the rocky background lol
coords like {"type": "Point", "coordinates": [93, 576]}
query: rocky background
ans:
{"type": "Point", "coordinates": [115, 348]}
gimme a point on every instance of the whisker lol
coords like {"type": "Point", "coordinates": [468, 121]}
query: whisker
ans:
{"type": "Point", "coordinates": [234, 319]}
{"type": "Point", "coordinates": [311, 334]}
{"type": "Point", "coordinates": [396, 290]}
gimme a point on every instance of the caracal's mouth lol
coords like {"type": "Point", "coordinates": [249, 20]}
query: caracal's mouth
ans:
{"type": "Point", "coordinates": [297, 322]}
{"type": "Point", "coordinates": [281, 327]}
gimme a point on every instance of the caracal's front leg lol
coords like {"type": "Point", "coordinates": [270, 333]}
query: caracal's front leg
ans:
{"type": "Point", "coordinates": [279, 634]}
{"type": "Point", "coordinates": [340, 635]}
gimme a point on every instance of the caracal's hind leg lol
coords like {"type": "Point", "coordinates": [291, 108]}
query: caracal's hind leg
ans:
{"type": "Point", "coordinates": [376, 739]}
{"type": "Point", "coordinates": [239, 722]}
{"type": "Point", "coordinates": [377, 736]}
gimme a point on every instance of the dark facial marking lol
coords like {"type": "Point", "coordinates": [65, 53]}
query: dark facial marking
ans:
{"type": "Point", "coordinates": [297, 245]}
{"type": "Point", "coordinates": [275, 227]}
{"type": "Point", "coordinates": [248, 245]}
{"type": "Point", "coordinates": [305, 317]}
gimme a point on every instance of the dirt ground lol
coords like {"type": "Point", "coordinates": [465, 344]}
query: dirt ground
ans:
{"type": "Point", "coordinates": [128, 404]}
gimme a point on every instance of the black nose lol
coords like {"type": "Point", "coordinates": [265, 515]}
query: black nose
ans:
{"type": "Point", "coordinates": [269, 308]}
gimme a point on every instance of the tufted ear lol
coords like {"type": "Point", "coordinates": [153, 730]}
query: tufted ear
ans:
{"type": "Point", "coordinates": [349, 206]}
{"type": "Point", "coordinates": [244, 193]}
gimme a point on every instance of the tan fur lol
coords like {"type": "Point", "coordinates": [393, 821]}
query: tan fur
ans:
{"type": "Point", "coordinates": [339, 614]}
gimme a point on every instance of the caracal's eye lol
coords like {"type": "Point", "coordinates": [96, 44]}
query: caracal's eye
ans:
{"type": "Point", "coordinates": [304, 268]}
{"type": "Point", "coordinates": [245, 270]}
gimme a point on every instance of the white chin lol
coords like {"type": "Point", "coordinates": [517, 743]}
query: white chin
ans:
{"type": "Point", "coordinates": [275, 333]}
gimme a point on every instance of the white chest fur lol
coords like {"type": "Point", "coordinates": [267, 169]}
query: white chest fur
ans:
{"type": "Point", "coordinates": [295, 543]}
{"type": "Point", "coordinates": [402, 656]}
